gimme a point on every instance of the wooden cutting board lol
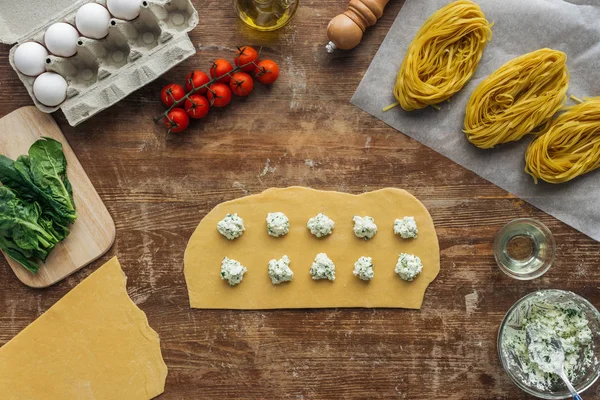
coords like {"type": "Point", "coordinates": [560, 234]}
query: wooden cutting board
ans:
{"type": "Point", "coordinates": [92, 234]}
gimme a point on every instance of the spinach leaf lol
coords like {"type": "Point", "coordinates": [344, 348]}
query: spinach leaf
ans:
{"type": "Point", "coordinates": [59, 231]}
{"type": "Point", "coordinates": [14, 252]}
{"type": "Point", "coordinates": [36, 203]}
{"type": "Point", "coordinates": [10, 177]}
{"type": "Point", "coordinates": [48, 167]}
{"type": "Point", "coordinates": [52, 207]}
{"type": "Point", "coordinates": [19, 221]}
{"type": "Point", "coordinates": [18, 176]}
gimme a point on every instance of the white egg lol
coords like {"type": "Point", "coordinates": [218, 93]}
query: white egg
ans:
{"type": "Point", "coordinates": [61, 39]}
{"type": "Point", "coordinates": [124, 9]}
{"type": "Point", "coordinates": [50, 89]}
{"type": "Point", "coordinates": [92, 20]}
{"type": "Point", "coordinates": [30, 58]}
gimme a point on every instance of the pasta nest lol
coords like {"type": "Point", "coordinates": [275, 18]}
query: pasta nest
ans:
{"type": "Point", "coordinates": [443, 56]}
{"type": "Point", "coordinates": [569, 147]}
{"type": "Point", "coordinates": [518, 98]}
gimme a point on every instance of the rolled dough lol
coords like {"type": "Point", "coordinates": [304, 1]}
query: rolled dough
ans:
{"type": "Point", "coordinates": [94, 343]}
{"type": "Point", "coordinates": [255, 248]}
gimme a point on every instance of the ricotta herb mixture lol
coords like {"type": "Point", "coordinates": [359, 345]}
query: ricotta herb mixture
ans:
{"type": "Point", "coordinates": [408, 267]}
{"type": "Point", "coordinates": [363, 268]}
{"type": "Point", "coordinates": [364, 227]}
{"type": "Point", "coordinates": [232, 271]}
{"type": "Point", "coordinates": [544, 320]}
{"type": "Point", "coordinates": [280, 271]}
{"type": "Point", "coordinates": [543, 351]}
{"type": "Point", "coordinates": [406, 228]}
{"type": "Point", "coordinates": [278, 224]}
{"type": "Point", "coordinates": [322, 268]}
{"type": "Point", "coordinates": [320, 225]}
{"type": "Point", "coordinates": [231, 226]}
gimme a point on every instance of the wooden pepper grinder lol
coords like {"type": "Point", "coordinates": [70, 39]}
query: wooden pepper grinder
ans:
{"type": "Point", "coordinates": [346, 30]}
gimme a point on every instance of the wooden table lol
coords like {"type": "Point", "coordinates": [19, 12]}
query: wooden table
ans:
{"type": "Point", "coordinates": [301, 131]}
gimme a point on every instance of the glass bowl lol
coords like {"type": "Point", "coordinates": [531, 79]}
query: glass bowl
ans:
{"type": "Point", "coordinates": [513, 321]}
{"type": "Point", "coordinates": [524, 249]}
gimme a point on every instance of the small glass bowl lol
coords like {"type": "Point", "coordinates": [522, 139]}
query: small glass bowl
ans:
{"type": "Point", "coordinates": [542, 249]}
{"type": "Point", "coordinates": [513, 321]}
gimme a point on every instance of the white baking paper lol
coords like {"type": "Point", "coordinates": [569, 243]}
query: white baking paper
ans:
{"type": "Point", "coordinates": [520, 26]}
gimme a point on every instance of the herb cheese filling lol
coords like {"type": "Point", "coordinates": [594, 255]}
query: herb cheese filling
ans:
{"type": "Point", "coordinates": [363, 268]}
{"type": "Point", "coordinates": [408, 267]}
{"type": "Point", "coordinates": [536, 360]}
{"type": "Point", "coordinates": [231, 226]}
{"type": "Point", "coordinates": [232, 271]}
{"type": "Point", "coordinates": [280, 271]}
{"type": "Point", "coordinates": [322, 268]}
{"type": "Point", "coordinates": [320, 225]}
{"type": "Point", "coordinates": [406, 228]}
{"type": "Point", "coordinates": [364, 227]}
{"type": "Point", "coordinates": [278, 224]}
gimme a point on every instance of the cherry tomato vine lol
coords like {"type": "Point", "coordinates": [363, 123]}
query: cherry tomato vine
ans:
{"type": "Point", "coordinates": [203, 92]}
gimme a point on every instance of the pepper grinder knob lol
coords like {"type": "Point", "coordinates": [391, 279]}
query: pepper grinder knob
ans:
{"type": "Point", "coordinates": [345, 31]}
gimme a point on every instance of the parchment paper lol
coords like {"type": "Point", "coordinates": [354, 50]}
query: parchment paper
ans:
{"type": "Point", "coordinates": [520, 26]}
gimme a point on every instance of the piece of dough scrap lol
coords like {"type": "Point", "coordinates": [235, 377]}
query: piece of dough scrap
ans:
{"type": "Point", "coordinates": [94, 343]}
{"type": "Point", "coordinates": [255, 248]}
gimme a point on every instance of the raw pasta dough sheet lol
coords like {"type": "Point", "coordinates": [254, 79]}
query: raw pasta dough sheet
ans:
{"type": "Point", "coordinates": [255, 248]}
{"type": "Point", "coordinates": [94, 343]}
{"type": "Point", "coordinates": [519, 27]}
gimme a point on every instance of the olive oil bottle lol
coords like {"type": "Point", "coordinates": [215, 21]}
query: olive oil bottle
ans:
{"type": "Point", "coordinates": [266, 15]}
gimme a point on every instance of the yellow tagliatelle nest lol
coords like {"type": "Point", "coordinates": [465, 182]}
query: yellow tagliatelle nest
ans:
{"type": "Point", "coordinates": [569, 147]}
{"type": "Point", "coordinates": [519, 97]}
{"type": "Point", "coordinates": [443, 56]}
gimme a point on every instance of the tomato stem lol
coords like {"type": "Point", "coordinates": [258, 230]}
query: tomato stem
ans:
{"type": "Point", "coordinates": [206, 85]}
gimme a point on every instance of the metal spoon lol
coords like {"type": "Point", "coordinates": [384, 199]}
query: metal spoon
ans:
{"type": "Point", "coordinates": [559, 367]}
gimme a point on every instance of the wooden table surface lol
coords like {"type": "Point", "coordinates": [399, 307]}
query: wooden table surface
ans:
{"type": "Point", "coordinates": [301, 131]}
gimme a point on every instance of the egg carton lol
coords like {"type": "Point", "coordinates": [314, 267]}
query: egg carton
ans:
{"type": "Point", "coordinates": [104, 71]}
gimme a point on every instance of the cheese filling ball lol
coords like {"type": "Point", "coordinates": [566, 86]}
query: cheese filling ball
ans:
{"type": "Point", "coordinates": [406, 228]}
{"type": "Point", "coordinates": [280, 271]}
{"type": "Point", "coordinates": [322, 268]}
{"type": "Point", "coordinates": [232, 271]}
{"type": "Point", "coordinates": [320, 225]}
{"type": "Point", "coordinates": [408, 267]}
{"type": "Point", "coordinates": [232, 226]}
{"type": "Point", "coordinates": [364, 227]}
{"type": "Point", "coordinates": [278, 224]}
{"type": "Point", "coordinates": [363, 269]}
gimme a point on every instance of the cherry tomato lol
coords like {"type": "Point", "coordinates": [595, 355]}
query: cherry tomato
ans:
{"type": "Point", "coordinates": [171, 94]}
{"type": "Point", "coordinates": [177, 120]}
{"type": "Point", "coordinates": [195, 79]}
{"type": "Point", "coordinates": [221, 68]}
{"type": "Point", "coordinates": [196, 106]}
{"type": "Point", "coordinates": [219, 95]}
{"type": "Point", "coordinates": [267, 71]}
{"type": "Point", "coordinates": [245, 55]}
{"type": "Point", "coordinates": [241, 84]}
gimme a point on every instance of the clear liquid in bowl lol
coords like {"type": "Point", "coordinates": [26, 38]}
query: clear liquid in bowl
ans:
{"type": "Point", "coordinates": [524, 248]}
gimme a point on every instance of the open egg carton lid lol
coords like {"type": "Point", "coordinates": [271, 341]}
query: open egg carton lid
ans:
{"type": "Point", "coordinates": [103, 72]}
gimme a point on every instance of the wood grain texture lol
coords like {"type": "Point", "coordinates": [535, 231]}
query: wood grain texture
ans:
{"type": "Point", "coordinates": [94, 231]}
{"type": "Point", "coordinates": [304, 130]}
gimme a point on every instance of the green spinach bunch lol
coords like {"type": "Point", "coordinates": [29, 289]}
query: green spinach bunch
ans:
{"type": "Point", "coordinates": [36, 203]}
